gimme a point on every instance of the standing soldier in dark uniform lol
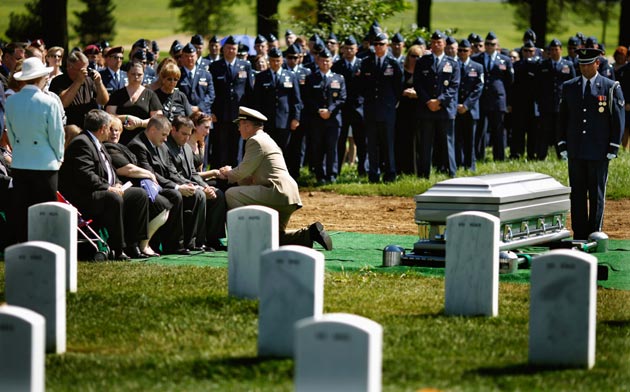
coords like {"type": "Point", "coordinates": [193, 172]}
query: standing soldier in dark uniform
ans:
{"type": "Point", "coordinates": [523, 103]}
{"type": "Point", "coordinates": [398, 48]}
{"type": "Point", "coordinates": [324, 96]}
{"type": "Point", "coordinates": [197, 41]}
{"type": "Point", "coordinates": [436, 81]}
{"type": "Point", "coordinates": [232, 82]}
{"type": "Point", "coordinates": [476, 43]}
{"type": "Point", "coordinates": [573, 45]}
{"type": "Point", "coordinates": [552, 73]}
{"type": "Point", "coordinates": [591, 126]}
{"type": "Point", "coordinates": [352, 112]}
{"type": "Point", "coordinates": [195, 83]}
{"type": "Point", "coordinates": [113, 77]}
{"type": "Point", "coordinates": [277, 96]}
{"type": "Point", "coordinates": [381, 82]}
{"type": "Point", "coordinates": [297, 147]}
{"type": "Point", "coordinates": [605, 69]}
{"type": "Point", "coordinates": [470, 88]}
{"type": "Point", "coordinates": [214, 49]}
{"type": "Point", "coordinates": [498, 77]}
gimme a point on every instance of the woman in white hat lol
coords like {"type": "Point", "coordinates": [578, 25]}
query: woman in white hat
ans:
{"type": "Point", "coordinates": [35, 130]}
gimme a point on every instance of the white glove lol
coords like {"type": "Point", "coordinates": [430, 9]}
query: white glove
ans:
{"type": "Point", "coordinates": [564, 155]}
{"type": "Point", "coordinates": [611, 156]}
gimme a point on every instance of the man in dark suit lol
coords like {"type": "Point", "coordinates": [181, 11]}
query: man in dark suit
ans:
{"type": "Point", "coordinates": [6, 194]}
{"type": "Point", "coordinates": [325, 94]}
{"type": "Point", "coordinates": [178, 235]}
{"type": "Point", "coordinates": [277, 96]}
{"type": "Point", "coordinates": [382, 84]}
{"type": "Point", "coordinates": [232, 79]}
{"type": "Point", "coordinates": [113, 77]}
{"type": "Point", "coordinates": [195, 83]}
{"type": "Point", "coordinates": [470, 88]}
{"type": "Point", "coordinates": [591, 125]}
{"type": "Point", "coordinates": [551, 74]}
{"type": "Point", "coordinates": [498, 78]}
{"type": "Point", "coordinates": [180, 152]}
{"type": "Point", "coordinates": [352, 111]}
{"type": "Point", "coordinates": [88, 180]}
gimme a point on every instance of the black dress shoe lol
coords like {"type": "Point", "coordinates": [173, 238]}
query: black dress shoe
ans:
{"type": "Point", "coordinates": [134, 253]}
{"type": "Point", "coordinates": [119, 255]}
{"type": "Point", "coordinates": [319, 235]}
{"type": "Point", "coordinates": [201, 248]}
{"type": "Point", "coordinates": [216, 247]}
{"type": "Point", "coordinates": [182, 251]}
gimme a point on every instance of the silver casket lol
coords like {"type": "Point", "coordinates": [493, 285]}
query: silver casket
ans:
{"type": "Point", "coordinates": [531, 207]}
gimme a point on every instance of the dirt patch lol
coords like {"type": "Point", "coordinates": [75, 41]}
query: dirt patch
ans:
{"type": "Point", "coordinates": [395, 215]}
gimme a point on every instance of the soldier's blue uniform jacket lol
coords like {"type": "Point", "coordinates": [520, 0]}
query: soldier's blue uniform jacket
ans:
{"type": "Point", "coordinates": [605, 68]}
{"type": "Point", "coordinates": [199, 88]}
{"type": "Point", "coordinates": [320, 94]}
{"type": "Point", "coordinates": [279, 100]}
{"type": "Point", "coordinates": [524, 86]}
{"type": "Point", "coordinates": [231, 86]}
{"type": "Point", "coordinates": [110, 84]}
{"type": "Point", "coordinates": [591, 127]}
{"type": "Point", "coordinates": [203, 63]}
{"type": "Point", "coordinates": [381, 87]}
{"type": "Point", "coordinates": [471, 87]}
{"type": "Point", "coordinates": [351, 74]}
{"type": "Point", "coordinates": [497, 82]}
{"type": "Point", "coordinates": [549, 80]}
{"type": "Point", "coordinates": [437, 81]}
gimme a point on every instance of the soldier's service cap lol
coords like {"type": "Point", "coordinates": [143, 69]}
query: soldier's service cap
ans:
{"type": "Point", "coordinates": [140, 55]}
{"type": "Point", "coordinates": [590, 42]}
{"type": "Point", "coordinates": [555, 43]}
{"type": "Point", "coordinates": [274, 53]}
{"type": "Point", "coordinates": [230, 41]}
{"type": "Point", "coordinates": [91, 49]}
{"type": "Point", "coordinates": [243, 49]}
{"type": "Point", "coordinates": [491, 36]}
{"type": "Point", "coordinates": [325, 54]}
{"type": "Point", "coordinates": [332, 37]}
{"type": "Point", "coordinates": [245, 113]}
{"type": "Point", "coordinates": [288, 32]}
{"type": "Point", "coordinates": [176, 46]}
{"type": "Point", "coordinates": [397, 38]}
{"type": "Point", "coordinates": [150, 57]}
{"type": "Point", "coordinates": [293, 50]}
{"type": "Point", "coordinates": [573, 41]}
{"type": "Point", "coordinates": [474, 38]}
{"type": "Point", "coordinates": [214, 39]}
{"type": "Point", "coordinates": [529, 44]}
{"type": "Point", "coordinates": [450, 40]}
{"type": "Point", "coordinates": [530, 35]}
{"type": "Point", "coordinates": [271, 37]}
{"type": "Point", "coordinates": [189, 48]}
{"type": "Point", "coordinates": [588, 55]}
{"type": "Point", "coordinates": [314, 38]}
{"type": "Point", "coordinates": [260, 39]}
{"type": "Point", "coordinates": [115, 50]}
{"type": "Point", "coordinates": [437, 34]}
{"type": "Point", "coordinates": [141, 43]}
{"type": "Point", "coordinates": [419, 41]}
{"type": "Point", "coordinates": [380, 37]}
{"type": "Point", "coordinates": [196, 39]}
{"type": "Point", "coordinates": [318, 46]}
{"type": "Point", "coordinates": [464, 43]}
{"type": "Point", "coordinates": [350, 40]}
{"type": "Point", "coordinates": [155, 47]}
{"type": "Point", "coordinates": [104, 44]}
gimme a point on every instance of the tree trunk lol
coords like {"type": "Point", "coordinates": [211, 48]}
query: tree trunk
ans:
{"type": "Point", "coordinates": [423, 14]}
{"type": "Point", "coordinates": [266, 14]}
{"type": "Point", "coordinates": [55, 23]}
{"type": "Point", "coordinates": [323, 19]}
{"type": "Point", "coordinates": [538, 21]}
{"type": "Point", "coordinates": [624, 26]}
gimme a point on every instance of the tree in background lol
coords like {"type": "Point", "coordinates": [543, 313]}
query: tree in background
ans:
{"type": "Point", "coordinates": [96, 23]}
{"type": "Point", "coordinates": [423, 14]}
{"type": "Point", "coordinates": [542, 16]}
{"type": "Point", "coordinates": [46, 19]}
{"type": "Point", "coordinates": [267, 17]}
{"type": "Point", "coordinates": [624, 26]}
{"type": "Point", "coordinates": [205, 17]}
{"type": "Point", "coordinates": [600, 10]}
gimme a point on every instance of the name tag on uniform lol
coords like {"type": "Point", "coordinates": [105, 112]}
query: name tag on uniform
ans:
{"type": "Point", "coordinates": [389, 71]}
{"type": "Point", "coordinates": [242, 74]}
{"type": "Point", "coordinates": [565, 69]}
{"type": "Point", "coordinates": [287, 85]}
{"type": "Point", "coordinates": [448, 68]}
{"type": "Point", "coordinates": [203, 83]}
{"type": "Point", "coordinates": [335, 84]}
{"type": "Point", "coordinates": [473, 74]}
{"type": "Point", "coordinates": [302, 81]}
{"type": "Point", "coordinates": [502, 67]}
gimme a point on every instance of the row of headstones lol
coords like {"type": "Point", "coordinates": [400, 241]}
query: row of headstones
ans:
{"type": "Point", "coordinates": [332, 352]}
{"type": "Point", "coordinates": [37, 275]}
{"type": "Point", "coordinates": [563, 291]}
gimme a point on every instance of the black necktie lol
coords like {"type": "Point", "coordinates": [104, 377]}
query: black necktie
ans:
{"type": "Point", "coordinates": [587, 89]}
{"type": "Point", "coordinates": [108, 166]}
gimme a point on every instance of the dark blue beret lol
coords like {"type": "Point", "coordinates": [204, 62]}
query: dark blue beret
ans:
{"type": "Point", "coordinates": [555, 43]}
{"type": "Point", "coordinates": [230, 41]}
{"type": "Point", "coordinates": [350, 41]}
{"type": "Point", "coordinates": [450, 40]}
{"type": "Point", "coordinates": [397, 38]}
{"type": "Point", "coordinates": [464, 43]}
{"type": "Point", "coordinates": [274, 53]}
{"type": "Point", "coordinates": [260, 39]}
{"type": "Point", "coordinates": [214, 40]}
{"type": "Point", "coordinates": [325, 53]}
{"type": "Point", "coordinates": [491, 36]}
{"type": "Point", "coordinates": [189, 48]}
{"type": "Point", "coordinates": [437, 34]}
{"type": "Point", "coordinates": [474, 38]}
{"type": "Point", "coordinates": [196, 39]}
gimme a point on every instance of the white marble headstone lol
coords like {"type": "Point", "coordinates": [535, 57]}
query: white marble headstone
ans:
{"type": "Point", "coordinates": [57, 223]}
{"type": "Point", "coordinates": [251, 231]}
{"type": "Point", "coordinates": [472, 264]}
{"type": "Point", "coordinates": [338, 352]}
{"type": "Point", "coordinates": [22, 350]}
{"type": "Point", "coordinates": [35, 278]}
{"type": "Point", "coordinates": [291, 289]}
{"type": "Point", "coordinates": [563, 306]}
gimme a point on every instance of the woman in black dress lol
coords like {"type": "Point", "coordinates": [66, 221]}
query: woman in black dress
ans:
{"type": "Point", "coordinates": [174, 102]}
{"type": "Point", "coordinates": [406, 115]}
{"type": "Point", "coordinates": [134, 105]}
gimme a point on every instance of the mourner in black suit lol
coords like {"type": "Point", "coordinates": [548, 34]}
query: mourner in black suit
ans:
{"type": "Point", "coordinates": [181, 155]}
{"type": "Point", "coordinates": [88, 180]}
{"type": "Point", "coordinates": [591, 125]}
{"type": "Point", "coordinates": [6, 184]}
{"type": "Point", "coordinates": [177, 235]}
{"type": "Point", "coordinates": [232, 79]}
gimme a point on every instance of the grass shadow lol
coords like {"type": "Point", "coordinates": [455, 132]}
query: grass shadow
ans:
{"type": "Point", "coordinates": [519, 369]}
{"type": "Point", "coordinates": [616, 323]}
{"type": "Point", "coordinates": [244, 368]}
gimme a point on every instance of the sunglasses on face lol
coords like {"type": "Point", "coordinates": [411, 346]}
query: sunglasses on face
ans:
{"type": "Point", "coordinates": [172, 79]}
{"type": "Point", "coordinates": [57, 56]}
{"type": "Point", "coordinates": [463, 50]}
{"type": "Point", "coordinates": [116, 57]}
{"type": "Point", "coordinates": [413, 56]}
{"type": "Point", "coordinates": [490, 43]}
{"type": "Point", "coordinates": [292, 57]}
{"type": "Point", "coordinates": [479, 45]}
{"type": "Point", "coordinates": [379, 43]}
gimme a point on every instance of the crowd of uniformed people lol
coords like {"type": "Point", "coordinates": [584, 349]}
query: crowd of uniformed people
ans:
{"type": "Point", "coordinates": [389, 105]}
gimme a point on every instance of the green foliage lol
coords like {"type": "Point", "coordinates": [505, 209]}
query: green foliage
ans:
{"type": "Point", "coordinates": [345, 16]}
{"type": "Point", "coordinates": [96, 23]}
{"type": "Point", "coordinates": [556, 24]}
{"type": "Point", "coordinates": [602, 10]}
{"type": "Point", "coordinates": [28, 25]}
{"type": "Point", "coordinates": [205, 16]}
{"type": "Point", "coordinates": [139, 327]}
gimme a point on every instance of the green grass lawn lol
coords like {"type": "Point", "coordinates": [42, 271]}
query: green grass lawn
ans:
{"type": "Point", "coordinates": [154, 20]}
{"type": "Point", "coordinates": [134, 327]}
